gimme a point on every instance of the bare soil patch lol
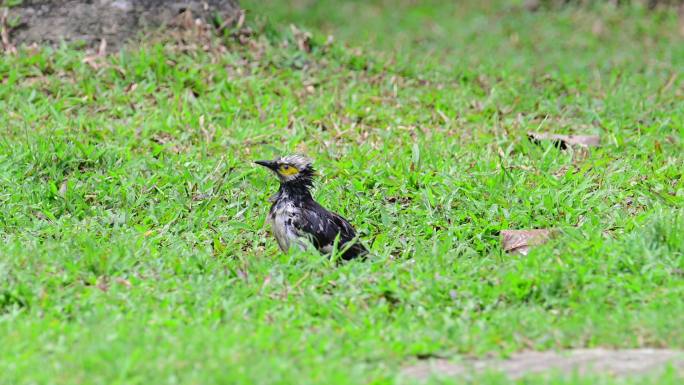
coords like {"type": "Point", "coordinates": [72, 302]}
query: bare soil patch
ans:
{"type": "Point", "coordinates": [619, 363]}
{"type": "Point", "coordinates": [88, 21]}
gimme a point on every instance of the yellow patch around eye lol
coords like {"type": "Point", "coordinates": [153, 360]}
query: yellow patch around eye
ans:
{"type": "Point", "coordinates": [287, 170]}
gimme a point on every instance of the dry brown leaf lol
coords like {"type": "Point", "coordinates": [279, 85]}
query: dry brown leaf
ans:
{"type": "Point", "coordinates": [131, 87]}
{"type": "Point", "coordinates": [302, 38]}
{"type": "Point", "coordinates": [241, 20]}
{"type": "Point", "coordinates": [102, 50]}
{"type": "Point", "coordinates": [63, 189]}
{"type": "Point", "coordinates": [102, 284]}
{"type": "Point", "coordinates": [183, 20]}
{"type": "Point", "coordinates": [565, 141]}
{"type": "Point", "coordinates": [123, 282]}
{"type": "Point", "coordinates": [236, 21]}
{"type": "Point", "coordinates": [200, 197]}
{"type": "Point", "coordinates": [169, 142]}
{"type": "Point", "coordinates": [519, 241]}
{"type": "Point", "coordinates": [96, 61]}
{"type": "Point", "coordinates": [7, 45]}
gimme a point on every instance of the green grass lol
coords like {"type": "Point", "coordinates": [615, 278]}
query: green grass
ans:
{"type": "Point", "coordinates": [133, 220]}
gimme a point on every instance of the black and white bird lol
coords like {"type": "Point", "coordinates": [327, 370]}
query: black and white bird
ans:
{"type": "Point", "coordinates": [297, 220]}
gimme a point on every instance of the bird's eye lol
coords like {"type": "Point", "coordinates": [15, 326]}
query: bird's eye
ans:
{"type": "Point", "coordinates": [288, 170]}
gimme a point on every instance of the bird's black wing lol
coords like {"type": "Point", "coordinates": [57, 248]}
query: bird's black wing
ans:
{"type": "Point", "coordinates": [323, 226]}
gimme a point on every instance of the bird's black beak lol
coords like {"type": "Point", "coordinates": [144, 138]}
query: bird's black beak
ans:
{"type": "Point", "coordinates": [267, 163]}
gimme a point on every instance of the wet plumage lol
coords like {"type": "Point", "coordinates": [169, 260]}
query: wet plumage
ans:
{"type": "Point", "coordinates": [298, 220]}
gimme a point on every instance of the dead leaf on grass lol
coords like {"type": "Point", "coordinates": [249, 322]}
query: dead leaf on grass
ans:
{"type": "Point", "coordinates": [236, 21]}
{"type": "Point", "coordinates": [241, 19]}
{"type": "Point", "coordinates": [123, 282]}
{"type": "Point", "coordinates": [7, 45]}
{"type": "Point", "coordinates": [63, 189]}
{"type": "Point", "coordinates": [302, 38]}
{"type": "Point", "coordinates": [96, 61]}
{"type": "Point", "coordinates": [200, 197]}
{"type": "Point", "coordinates": [565, 141]}
{"type": "Point", "coordinates": [102, 284]}
{"type": "Point", "coordinates": [520, 241]}
{"type": "Point", "coordinates": [162, 138]}
{"type": "Point", "coordinates": [168, 142]}
{"type": "Point", "coordinates": [184, 20]}
{"type": "Point", "coordinates": [131, 87]}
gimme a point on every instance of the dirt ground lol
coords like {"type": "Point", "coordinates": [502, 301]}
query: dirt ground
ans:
{"type": "Point", "coordinates": [619, 363]}
{"type": "Point", "coordinates": [53, 21]}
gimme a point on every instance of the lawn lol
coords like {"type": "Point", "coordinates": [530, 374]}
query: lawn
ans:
{"type": "Point", "coordinates": [133, 218]}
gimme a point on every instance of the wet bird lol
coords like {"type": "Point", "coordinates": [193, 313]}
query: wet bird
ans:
{"type": "Point", "coordinates": [297, 220]}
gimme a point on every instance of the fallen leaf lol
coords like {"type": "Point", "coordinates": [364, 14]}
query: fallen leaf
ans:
{"type": "Point", "coordinates": [96, 61]}
{"type": "Point", "coordinates": [241, 20]}
{"type": "Point", "coordinates": [565, 141]}
{"type": "Point", "coordinates": [102, 50]}
{"type": "Point", "coordinates": [7, 45]}
{"type": "Point", "coordinates": [131, 87]}
{"type": "Point", "coordinates": [519, 241]}
{"type": "Point", "coordinates": [63, 189]}
{"type": "Point", "coordinates": [302, 38]}
{"type": "Point", "coordinates": [183, 20]}
{"type": "Point", "coordinates": [162, 138]}
{"type": "Point", "coordinates": [200, 197]}
{"type": "Point", "coordinates": [102, 284]}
